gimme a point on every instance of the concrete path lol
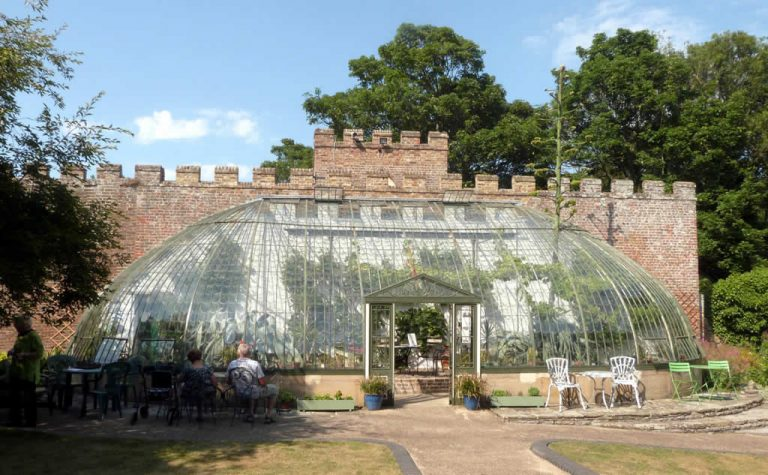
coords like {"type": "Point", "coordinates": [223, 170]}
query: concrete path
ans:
{"type": "Point", "coordinates": [441, 439]}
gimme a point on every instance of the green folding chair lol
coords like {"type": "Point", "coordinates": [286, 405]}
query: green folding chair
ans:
{"type": "Point", "coordinates": [681, 377]}
{"type": "Point", "coordinates": [720, 377]}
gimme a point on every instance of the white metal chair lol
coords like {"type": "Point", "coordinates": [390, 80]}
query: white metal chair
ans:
{"type": "Point", "coordinates": [560, 379]}
{"type": "Point", "coordinates": [623, 372]}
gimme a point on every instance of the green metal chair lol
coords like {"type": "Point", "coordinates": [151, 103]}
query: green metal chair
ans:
{"type": "Point", "coordinates": [720, 377]}
{"type": "Point", "coordinates": [681, 377]}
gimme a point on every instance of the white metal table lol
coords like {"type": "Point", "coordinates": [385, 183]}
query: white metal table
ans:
{"type": "Point", "coordinates": [594, 376]}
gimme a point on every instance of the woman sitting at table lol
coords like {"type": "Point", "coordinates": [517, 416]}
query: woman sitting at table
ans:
{"type": "Point", "coordinates": [199, 382]}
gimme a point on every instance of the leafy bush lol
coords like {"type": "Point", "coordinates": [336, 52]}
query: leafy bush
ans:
{"type": "Point", "coordinates": [327, 397]}
{"type": "Point", "coordinates": [740, 308]}
{"type": "Point", "coordinates": [534, 391]}
{"type": "Point", "coordinates": [740, 359]}
{"type": "Point", "coordinates": [376, 385]}
{"type": "Point", "coordinates": [499, 393]}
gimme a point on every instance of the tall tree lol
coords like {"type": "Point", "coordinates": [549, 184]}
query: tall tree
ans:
{"type": "Point", "coordinates": [288, 156]}
{"type": "Point", "coordinates": [626, 95]}
{"type": "Point", "coordinates": [426, 78]}
{"type": "Point", "coordinates": [56, 252]}
{"type": "Point", "coordinates": [727, 149]}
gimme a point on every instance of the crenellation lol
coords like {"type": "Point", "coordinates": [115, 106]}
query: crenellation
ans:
{"type": "Point", "coordinates": [188, 175]}
{"type": "Point", "coordinates": [149, 174]}
{"type": "Point", "coordinates": [523, 184]}
{"type": "Point", "coordinates": [109, 172]}
{"type": "Point", "coordinates": [653, 188]}
{"type": "Point", "coordinates": [225, 175]}
{"type": "Point", "coordinates": [684, 190]}
{"type": "Point", "coordinates": [438, 140]}
{"type": "Point", "coordinates": [382, 137]}
{"type": "Point", "coordinates": [565, 184]}
{"type": "Point", "coordinates": [591, 186]}
{"type": "Point", "coordinates": [73, 176]}
{"type": "Point", "coordinates": [486, 183]}
{"type": "Point", "coordinates": [622, 187]}
{"type": "Point", "coordinates": [638, 224]}
{"type": "Point", "coordinates": [353, 137]}
{"type": "Point", "coordinates": [264, 177]}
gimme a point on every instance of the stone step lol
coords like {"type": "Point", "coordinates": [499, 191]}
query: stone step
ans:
{"type": "Point", "coordinates": [750, 419]}
{"type": "Point", "coordinates": [746, 412]}
{"type": "Point", "coordinates": [421, 384]}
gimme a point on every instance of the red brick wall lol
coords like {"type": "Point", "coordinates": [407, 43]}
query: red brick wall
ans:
{"type": "Point", "coordinates": [655, 229]}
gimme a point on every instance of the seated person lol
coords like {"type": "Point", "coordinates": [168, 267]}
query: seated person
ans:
{"type": "Point", "coordinates": [259, 389]}
{"type": "Point", "coordinates": [199, 382]}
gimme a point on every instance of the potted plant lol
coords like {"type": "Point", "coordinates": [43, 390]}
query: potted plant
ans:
{"type": "Point", "coordinates": [470, 387]}
{"type": "Point", "coordinates": [375, 389]}
{"type": "Point", "coordinates": [286, 400]}
{"type": "Point", "coordinates": [502, 398]}
{"type": "Point", "coordinates": [326, 402]}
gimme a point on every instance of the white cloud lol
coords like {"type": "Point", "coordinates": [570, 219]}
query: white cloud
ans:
{"type": "Point", "coordinates": [239, 124]}
{"type": "Point", "coordinates": [162, 126]}
{"type": "Point", "coordinates": [609, 15]}
{"type": "Point", "coordinates": [222, 123]}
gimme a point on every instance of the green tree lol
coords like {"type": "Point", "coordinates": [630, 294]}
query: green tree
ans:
{"type": "Point", "coordinates": [627, 94]}
{"type": "Point", "coordinates": [725, 150]}
{"type": "Point", "coordinates": [57, 251]}
{"type": "Point", "coordinates": [289, 155]}
{"type": "Point", "coordinates": [427, 78]}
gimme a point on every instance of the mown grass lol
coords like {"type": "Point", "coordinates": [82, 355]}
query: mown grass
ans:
{"type": "Point", "coordinates": [608, 458]}
{"type": "Point", "coordinates": [30, 452]}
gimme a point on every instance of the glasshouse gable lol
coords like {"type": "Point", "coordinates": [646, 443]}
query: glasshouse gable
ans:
{"type": "Point", "coordinates": [378, 261]}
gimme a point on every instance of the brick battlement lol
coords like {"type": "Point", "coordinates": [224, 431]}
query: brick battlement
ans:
{"type": "Point", "coordinates": [654, 228]}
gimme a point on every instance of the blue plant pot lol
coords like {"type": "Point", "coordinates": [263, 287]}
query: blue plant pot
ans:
{"type": "Point", "coordinates": [373, 401]}
{"type": "Point", "coordinates": [471, 403]}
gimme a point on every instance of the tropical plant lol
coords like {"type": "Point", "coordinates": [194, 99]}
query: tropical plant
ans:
{"type": "Point", "coordinates": [376, 385]}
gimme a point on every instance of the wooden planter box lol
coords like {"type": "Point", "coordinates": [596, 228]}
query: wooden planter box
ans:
{"type": "Point", "coordinates": [518, 401]}
{"type": "Point", "coordinates": [325, 405]}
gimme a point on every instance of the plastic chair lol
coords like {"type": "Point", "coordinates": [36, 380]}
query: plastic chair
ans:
{"type": "Point", "coordinates": [55, 380]}
{"type": "Point", "coordinates": [560, 379]}
{"type": "Point", "coordinates": [720, 376]}
{"type": "Point", "coordinates": [115, 374]}
{"type": "Point", "coordinates": [623, 374]}
{"type": "Point", "coordinates": [161, 388]}
{"type": "Point", "coordinates": [681, 376]}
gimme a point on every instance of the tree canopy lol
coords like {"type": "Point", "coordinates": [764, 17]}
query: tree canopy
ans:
{"type": "Point", "coordinates": [57, 252]}
{"type": "Point", "coordinates": [427, 78]}
{"type": "Point", "coordinates": [289, 155]}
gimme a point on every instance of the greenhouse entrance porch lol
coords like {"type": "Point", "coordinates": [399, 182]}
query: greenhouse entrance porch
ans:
{"type": "Point", "coordinates": [426, 363]}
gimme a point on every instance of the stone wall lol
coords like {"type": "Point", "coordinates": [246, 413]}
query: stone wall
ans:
{"type": "Point", "coordinates": [656, 229]}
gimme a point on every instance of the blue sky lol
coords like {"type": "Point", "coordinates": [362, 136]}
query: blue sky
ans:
{"type": "Point", "coordinates": [219, 82]}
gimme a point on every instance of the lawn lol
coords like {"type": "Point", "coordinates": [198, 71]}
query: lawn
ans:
{"type": "Point", "coordinates": [618, 458]}
{"type": "Point", "coordinates": [29, 452]}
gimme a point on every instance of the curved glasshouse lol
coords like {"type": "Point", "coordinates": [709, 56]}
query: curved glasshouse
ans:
{"type": "Point", "coordinates": [291, 276]}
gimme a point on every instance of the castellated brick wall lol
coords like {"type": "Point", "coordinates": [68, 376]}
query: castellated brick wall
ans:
{"type": "Point", "coordinates": [656, 229]}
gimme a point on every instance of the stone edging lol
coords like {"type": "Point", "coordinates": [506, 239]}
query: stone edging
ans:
{"type": "Point", "coordinates": [541, 448]}
{"type": "Point", "coordinates": [402, 457]}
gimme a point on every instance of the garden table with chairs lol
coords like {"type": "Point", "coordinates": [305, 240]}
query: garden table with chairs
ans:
{"type": "Point", "coordinates": [594, 376]}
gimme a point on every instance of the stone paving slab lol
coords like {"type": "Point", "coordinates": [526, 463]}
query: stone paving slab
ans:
{"type": "Point", "coordinates": [441, 439]}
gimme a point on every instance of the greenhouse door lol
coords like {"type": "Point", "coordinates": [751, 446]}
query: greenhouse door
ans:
{"type": "Point", "coordinates": [462, 335]}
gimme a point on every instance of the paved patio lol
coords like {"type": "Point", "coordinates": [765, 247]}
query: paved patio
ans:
{"type": "Point", "coordinates": [441, 439]}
